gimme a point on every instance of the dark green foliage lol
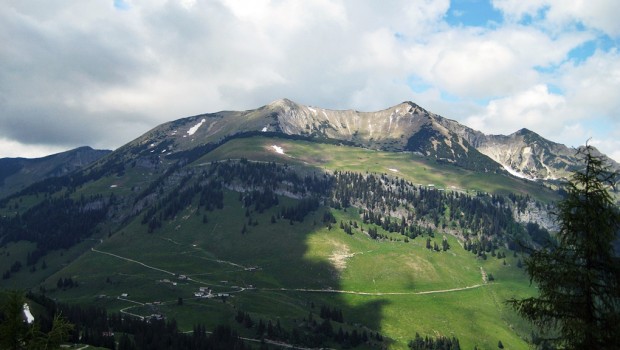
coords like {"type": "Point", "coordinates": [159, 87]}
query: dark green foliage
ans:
{"type": "Point", "coordinates": [440, 343]}
{"type": "Point", "coordinates": [47, 331]}
{"type": "Point", "coordinates": [56, 223]}
{"type": "Point", "coordinates": [488, 217]}
{"type": "Point", "coordinates": [303, 208]}
{"type": "Point", "coordinates": [579, 278]}
{"type": "Point", "coordinates": [334, 314]}
{"type": "Point", "coordinates": [444, 245]}
{"type": "Point", "coordinates": [95, 326]}
{"type": "Point", "coordinates": [66, 283]}
{"type": "Point", "coordinates": [312, 332]}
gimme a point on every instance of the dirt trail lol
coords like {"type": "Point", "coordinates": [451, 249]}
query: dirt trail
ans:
{"type": "Point", "coordinates": [370, 293]}
{"type": "Point", "coordinates": [485, 278]}
{"type": "Point", "coordinates": [132, 260]}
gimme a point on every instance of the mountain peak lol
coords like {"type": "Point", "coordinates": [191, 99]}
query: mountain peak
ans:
{"type": "Point", "coordinates": [283, 102]}
{"type": "Point", "coordinates": [524, 131]}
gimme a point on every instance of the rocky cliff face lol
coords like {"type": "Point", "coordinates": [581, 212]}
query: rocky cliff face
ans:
{"type": "Point", "coordinates": [527, 154]}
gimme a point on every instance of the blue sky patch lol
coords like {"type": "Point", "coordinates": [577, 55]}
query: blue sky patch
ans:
{"type": "Point", "coordinates": [121, 5]}
{"type": "Point", "coordinates": [417, 85]}
{"type": "Point", "coordinates": [446, 96]}
{"type": "Point", "coordinates": [473, 13]}
{"type": "Point", "coordinates": [528, 19]}
{"type": "Point", "coordinates": [554, 89]}
{"type": "Point", "coordinates": [583, 51]}
{"type": "Point", "coordinates": [546, 69]}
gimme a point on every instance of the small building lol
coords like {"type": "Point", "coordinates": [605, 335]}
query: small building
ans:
{"type": "Point", "coordinates": [124, 295]}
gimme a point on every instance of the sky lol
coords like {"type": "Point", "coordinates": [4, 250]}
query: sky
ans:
{"type": "Point", "coordinates": [102, 73]}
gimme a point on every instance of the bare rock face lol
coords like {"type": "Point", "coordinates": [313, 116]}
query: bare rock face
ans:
{"type": "Point", "coordinates": [529, 155]}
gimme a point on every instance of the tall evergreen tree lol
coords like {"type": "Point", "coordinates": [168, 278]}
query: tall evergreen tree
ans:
{"type": "Point", "coordinates": [579, 277]}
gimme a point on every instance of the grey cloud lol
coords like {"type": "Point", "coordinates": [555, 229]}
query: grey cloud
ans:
{"type": "Point", "coordinates": [49, 72]}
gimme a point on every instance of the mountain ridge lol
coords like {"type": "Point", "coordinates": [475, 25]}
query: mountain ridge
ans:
{"type": "Point", "coordinates": [405, 127]}
{"type": "Point", "coordinates": [17, 173]}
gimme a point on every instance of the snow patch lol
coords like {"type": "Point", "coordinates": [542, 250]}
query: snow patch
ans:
{"type": "Point", "coordinates": [312, 110]}
{"type": "Point", "coordinates": [195, 128]}
{"type": "Point", "coordinates": [277, 149]}
{"type": "Point", "coordinates": [113, 186]}
{"type": "Point", "coordinates": [264, 129]}
{"type": "Point", "coordinates": [513, 172]}
{"type": "Point", "coordinates": [28, 314]}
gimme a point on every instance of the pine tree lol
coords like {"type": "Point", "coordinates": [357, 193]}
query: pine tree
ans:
{"type": "Point", "coordinates": [579, 277]}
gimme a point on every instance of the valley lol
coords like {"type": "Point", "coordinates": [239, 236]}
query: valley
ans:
{"type": "Point", "coordinates": [392, 287]}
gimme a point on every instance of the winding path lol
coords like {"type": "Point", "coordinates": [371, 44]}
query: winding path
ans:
{"type": "Point", "coordinates": [337, 291]}
{"type": "Point", "coordinates": [132, 260]}
{"type": "Point", "coordinates": [306, 290]}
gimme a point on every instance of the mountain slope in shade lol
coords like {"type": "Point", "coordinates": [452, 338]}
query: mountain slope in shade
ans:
{"type": "Point", "coordinates": [18, 173]}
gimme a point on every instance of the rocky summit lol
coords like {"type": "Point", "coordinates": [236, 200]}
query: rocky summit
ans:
{"type": "Point", "coordinates": [405, 127]}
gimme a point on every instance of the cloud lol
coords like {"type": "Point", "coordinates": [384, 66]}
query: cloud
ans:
{"type": "Point", "coordinates": [535, 108]}
{"type": "Point", "coordinates": [592, 86]}
{"type": "Point", "coordinates": [588, 106]}
{"type": "Point", "coordinates": [119, 68]}
{"type": "Point", "coordinates": [557, 14]}
{"type": "Point", "coordinates": [478, 63]}
{"type": "Point", "coordinates": [14, 149]}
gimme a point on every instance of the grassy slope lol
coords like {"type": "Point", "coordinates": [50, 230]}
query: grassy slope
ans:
{"type": "Point", "coordinates": [409, 166]}
{"type": "Point", "coordinates": [187, 246]}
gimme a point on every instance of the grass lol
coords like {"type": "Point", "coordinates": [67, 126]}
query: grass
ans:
{"type": "Point", "coordinates": [290, 257]}
{"type": "Point", "coordinates": [410, 166]}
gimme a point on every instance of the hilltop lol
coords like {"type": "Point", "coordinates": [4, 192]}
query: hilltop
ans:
{"type": "Point", "coordinates": [19, 173]}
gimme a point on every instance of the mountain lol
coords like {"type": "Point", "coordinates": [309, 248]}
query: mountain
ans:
{"type": "Point", "coordinates": [405, 127]}
{"type": "Point", "coordinates": [527, 154]}
{"type": "Point", "coordinates": [297, 224]}
{"type": "Point", "coordinates": [18, 173]}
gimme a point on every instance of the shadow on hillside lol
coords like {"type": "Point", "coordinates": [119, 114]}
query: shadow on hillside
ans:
{"type": "Point", "coordinates": [300, 281]}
